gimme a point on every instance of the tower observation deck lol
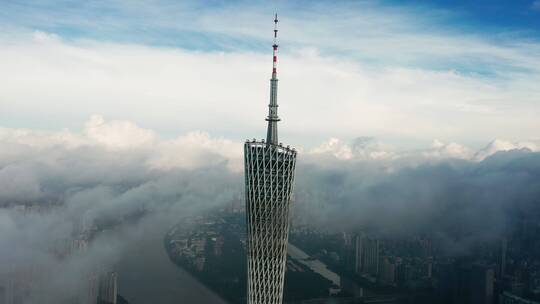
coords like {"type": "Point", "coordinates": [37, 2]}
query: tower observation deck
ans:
{"type": "Point", "coordinates": [269, 176]}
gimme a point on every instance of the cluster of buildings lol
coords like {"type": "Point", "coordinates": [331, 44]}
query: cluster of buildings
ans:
{"type": "Point", "coordinates": [17, 283]}
{"type": "Point", "coordinates": [403, 263]}
{"type": "Point", "coordinates": [190, 245]}
{"type": "Point", "coordinates": [214, 247]}
{"type": "Point", "coordinates": [99, 288]}
{"type": "Point", "coordinates": [501, 271]}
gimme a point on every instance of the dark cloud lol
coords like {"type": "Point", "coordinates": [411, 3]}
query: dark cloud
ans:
{"type": "Point", "coordinates": [459, 202]}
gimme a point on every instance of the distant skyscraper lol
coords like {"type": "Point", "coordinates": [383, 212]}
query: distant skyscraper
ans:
{"type": "Point", "coordinates": [269, 176]}
{"type": "Point", "coordinates": [108, 288]}
{"type": "Point", "coordinates": [504, 250]}
{"type": "Point", "coordinates": [358, 252]}
{"type": "Point", "coordinates": [482, 284]}
{"type": "Point", "coordinates": [370, 256]}
{"type": "Point", "coordinates": [387, 270]}
{"type": "Point", "coordinates": [7, 287]}
{"type": "Point", "coordinates": [90, 289]}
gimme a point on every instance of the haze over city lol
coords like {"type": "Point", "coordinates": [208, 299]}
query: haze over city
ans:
{"type": "Point", "coordinates": [416, 124]}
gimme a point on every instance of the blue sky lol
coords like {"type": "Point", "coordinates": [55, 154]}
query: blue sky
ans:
{"type": "Point", "coordinates": [488, 15]}
{"type": "Point", "coordinates": [175, 23]}
{"type": "Point", "coordinates": [179, 24]}
{"type": "Point", "coordinates": [410, 71]}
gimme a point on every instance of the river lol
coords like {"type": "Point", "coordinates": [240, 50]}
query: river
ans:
{"type": "Point", "coordinates": [315, 265]}
{"type": "Point", "coordinates": [147, 276]}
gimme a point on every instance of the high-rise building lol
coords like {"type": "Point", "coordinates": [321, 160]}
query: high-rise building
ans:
{"type": "Point", "coordinates": [371, 250]}
{"type": "Point", "coordinates": [504, 250]}
{"type": "Point", "coordinates": [108, 288]}
{"type": "Point", "coordinates": [358, 252]}
{"type": "Point", "coordinates": [269, 176]}
{"type": "Point", "coordinates": [7, 290]}
{"type": "Point", "coordinates": [482, 280]}
{"type": "Point", "coordinates": [90, 289]}
{"type": "Point", "coordinates": [387, 270]}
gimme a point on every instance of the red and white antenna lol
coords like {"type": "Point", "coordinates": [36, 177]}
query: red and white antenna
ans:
{"type": "Point", "coordinates": [275, 46]}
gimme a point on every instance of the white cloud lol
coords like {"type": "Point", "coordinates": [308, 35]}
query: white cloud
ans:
{"type": "Point", "coordinates": [447, 150]}
{"type": "Point", "coordinates": [368, 149]}
{"type": "Point", "coordinates": [118, 134]}
{"type": "Point", "coordinates": [197, 149]}
{"type": "Point", "coordinates": [503, 145]}
{"type": "Point", "coordinates": [363, 148]}
{"type": "Point", "coordinates": [55, 83]}
{"type": "Point", "coordinates": [121, 139]}
{"type": "Point", "coordinates": [369, 30]}
{"type": "Point", "coordinates": [125, 139]}
{"type": "Point", "coordinates": [335, 148]}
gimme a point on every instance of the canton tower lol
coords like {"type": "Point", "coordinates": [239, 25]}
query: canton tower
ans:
{"type": "Point", "coordinates": [269, 176]}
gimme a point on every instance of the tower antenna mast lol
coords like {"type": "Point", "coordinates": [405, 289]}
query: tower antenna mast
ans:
{"type": "Point", "coordinates": [272, 131]}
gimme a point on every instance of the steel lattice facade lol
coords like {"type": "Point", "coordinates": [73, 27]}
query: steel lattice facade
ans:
{"type": "Point", "coordinates": [269, 177]}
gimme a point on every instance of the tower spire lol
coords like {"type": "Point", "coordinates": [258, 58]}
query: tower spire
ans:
{"type": "Point", "coordinates": [272, 132]}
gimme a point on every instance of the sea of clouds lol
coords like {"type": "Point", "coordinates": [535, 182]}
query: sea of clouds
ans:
{"type": "Point", "coordinates": [113, 169]}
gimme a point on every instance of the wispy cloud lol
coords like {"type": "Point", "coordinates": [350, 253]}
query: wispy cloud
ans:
{"type": "Point", "coordinates": [176, 90]}
{"type": "Point", "coordinates": [366, 31]}
{"type": "Point", "coordinates": [362, 69]}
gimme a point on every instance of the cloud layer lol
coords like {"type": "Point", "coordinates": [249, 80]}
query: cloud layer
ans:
{"type": "Point", "coordinates": [114, 170]}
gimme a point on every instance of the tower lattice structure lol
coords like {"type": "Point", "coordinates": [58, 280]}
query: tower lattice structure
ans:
{"type": "Point", "coordinates": [269, 178]}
